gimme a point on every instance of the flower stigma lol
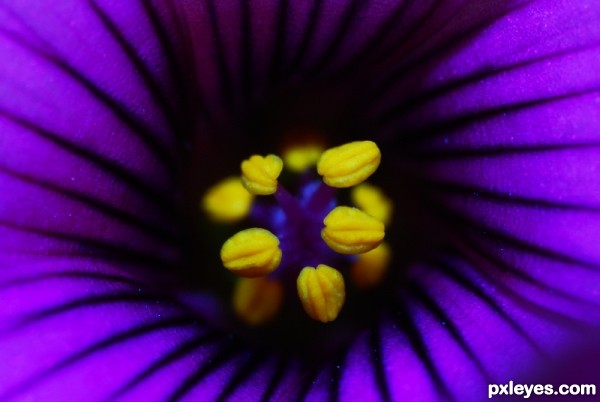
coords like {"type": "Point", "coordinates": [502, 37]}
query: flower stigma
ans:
{"type": "Point", "coordinates": [294, 232]}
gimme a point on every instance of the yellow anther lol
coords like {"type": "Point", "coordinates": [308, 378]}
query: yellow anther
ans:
{"type": "Point", "coordinates": [373, 201]}
{"type": "Point", "coordinates": [321, 292]}
{"type": "Point", "coordinates": [349, 164]}
{"type": "Point", "coordinates": [371, 267]}
{"type": "Point", "coordinates": [227, 201]}
{"type": "Point", "coordinates": [351, 231]}
{"type": "Point", "coordinates": [257, 300]}
{"type": "Point", "coordinates": [260, 173]}
{"type": "Point", "coordinates": [300, 157]}
{"type": "Point", "coordinates": [251, 253]}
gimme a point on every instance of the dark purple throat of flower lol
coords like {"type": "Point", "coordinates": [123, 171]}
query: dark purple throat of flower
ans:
{"type": "Point", "coordinates": [302, 243]}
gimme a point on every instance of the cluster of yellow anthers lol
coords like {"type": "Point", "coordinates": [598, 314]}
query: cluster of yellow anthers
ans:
{"type": "Point", "coordinates": [255, 253]}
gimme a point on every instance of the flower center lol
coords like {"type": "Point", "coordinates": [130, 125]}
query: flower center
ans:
{"type": "Point", "coordinates": [301, 244]}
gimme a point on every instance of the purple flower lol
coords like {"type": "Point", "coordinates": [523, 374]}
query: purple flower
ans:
{"type": "Point", "coordinates": [116, 116]}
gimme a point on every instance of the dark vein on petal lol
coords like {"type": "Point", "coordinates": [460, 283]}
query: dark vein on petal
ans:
{"type": "Point", "coordinates": [157, 231]}
{"type": "Point", "coordinates": [337, 369]}
{"type": "Point", "coordinates": [178, 353]}
{"type": "Point", "coordinates": [78, 275]}
{"type": "Point", "coordinates": [498, 235]}
{"type": "Point", "coordinates": [81, 303]}
{"type": "Point", "coordinates": [419, 99]}
{"type": "Point", "coordinates": [309, 378]}
{"type": "Point", "coordinates": [452, 272]}
{"type": "Point", "coordinates": [281, 34]}
{"type": "Point", "coordinates": [309, 33]}
{"type": "Point", "coordinates": [141, 68]}
{"type": "Point", "coordinates": [176, 72]}
{"type": "Point", "coordinates": [183, 71]}
{"type": "Point", "coordinates": [376, 360]}
{"type": "Point", "coordinates": [374, 43]}
{"type": "Point", "coordinates": [99, 346]}
{"type": "Point", "coordinates": [439, 127]}
{"type": "Point", "coordinates": [241, 374]}
{"type": "Point", "coordinates": [451, 42]}
{"type": "Point", "coordinates": [474, 251]}
{"type": "Point", "coordinates": [535, 308]}
{"type": "Point", "coordinates": [96, 247]}
{"type": "Point", "coordinates": [224, 78]}
{"type": "Point", "coordinates": [207, 367]}
{"type": "Point", "coordinates": [499, 151]}
{"type": "Point", "coordinates": [407, 327]}
{"type": "Point", "coordinates": [247, 65]}
{"type": "Point", "coordinates": [117, 171]}
{"type": "Point", "coordinates": [278, 374]}
{"type": "Point", "coordinates": [468, 190]}
{"type": "Point", "coordinates": [422, 295]}
{"type": "Point", "coordinates": [349, 17]}
{"type": "Point", "coordinates": [118, 109]}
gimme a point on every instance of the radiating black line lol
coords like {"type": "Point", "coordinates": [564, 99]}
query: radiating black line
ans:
{"type": "Point", "coordinates": [115, 339]}
{"type": "Point", "coordinates": [193, 100]}
{"type": "Point", "coordinates": [376, 360]}
{"type": "Point", "coordinates": [422, 295]}
{"type": "Point", "coordinates": [102, 207]}
{"type": "Point", "coordinates": [141, 68]}
{"type": "Point", "coordinates": [182, 71]}
{"type": "Point", "coordinates": [117, 171]}
{"type": "Point", "coordinates": [241, 374]}
{"type": "Point", "coordinates": [167, 359]}
{"type": "Point", "coordinates": [535, 308]}
{"type": "Point", "coordinates": [494, 151]}
{"type": "Point", "coordinates": [349, 17]}
{"type": "Point", "coordinates": [375, 41]}
{"type": "Point", "coordinates": [97, 247]}
{"type": "Point", "coordinates": [247, 65]}
{"type": "Point", "coordinates": [224, 76]}
{"type": "Point", "coordinates": [309, 378]}
{"type": "Point", "coordinates": [439, 127]}
{"type": "Point", "coordinates": [407, 327]}
{"type": "Point", "coordinates": [497, 196]}
{"type": "Point", "coordinates": [119, 110]}
{"type": "Point", "coordinates": [181, 80]}
{"type": "Point", "coordinates": [476, 254]}
{"type": "Point", "coordinates": [281, 33]}
{"type": "Point", "coordinates": [206, 368]}
{"type": "Point", "coordinates": [369, 95]}
{"type": "Point", "coordinates": [453, 273]}
{"type": "Point", "coordinates": [337, 368]}
{"type": "Point", "coordinates": [465, 227]}
{"type": "Point", "coordinates": [41, 277]}
{"type": "Point", "coordinates": [420, 98]}
{"type": "Point", "coordinates": [307, 37]}
{"type": "Point", "coordinates": [84, 302]}
{"type": "Point", "coordinates": [278, 374]}
{"type": "Point", "coordinates": [387, 84]}
{"type": "Point", "coordinates": [495, 234]}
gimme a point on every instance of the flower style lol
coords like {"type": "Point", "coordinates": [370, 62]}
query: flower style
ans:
{"type": "Point", "coordinates": [117, 117]}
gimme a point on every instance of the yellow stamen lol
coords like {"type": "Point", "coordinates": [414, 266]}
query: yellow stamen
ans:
{"type": "Point", "coordinates": [351, 231]}
{"type": "Point", "coordinates": [349, 164]}
{"type": "Point", "coordinates": [321, 292]}
{"type": "Point", "coordinates": [371, 267]}
{"type": "Point", "coordinates": [251, 253]}
{"type": "Point", "coordinates": [257, 300]}
{"type": "Point", "coordinates": [227, 201]}
{"type": "Point", "coordinates": [301, 157]}
{"type": "Point", "coordinates": [373, 201]}
{"type": "Point", "coordinates": [260, 173]}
